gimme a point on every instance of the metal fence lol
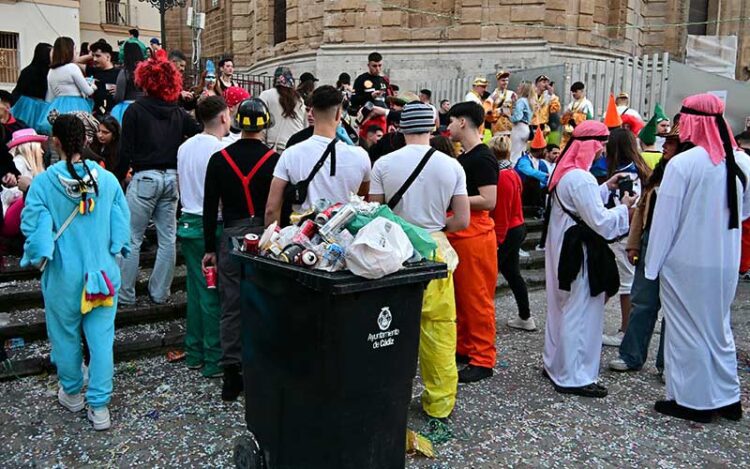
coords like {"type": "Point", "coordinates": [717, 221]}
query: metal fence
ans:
{"type": "Point", "coordinates": [115, 12]}
{"type": "Point", "coordinates": [254, 84]}
{"type": "Point", "coordinates": [8, 57]}
{"type": "Point", "coordinates": [645, 79]}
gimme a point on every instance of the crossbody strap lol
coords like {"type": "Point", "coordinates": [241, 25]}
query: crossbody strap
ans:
{"type": "Point", "coordinates": [247, 178]}
{"type": "Point", "coordinates": [59, 233]}
{"type": "Point", "coordinates": [412, 177]}
{"type": "Point", "coordinates": [330, 150]}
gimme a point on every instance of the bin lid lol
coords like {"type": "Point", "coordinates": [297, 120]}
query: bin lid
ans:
{"type": "Point", "coordinates": [344, 282]}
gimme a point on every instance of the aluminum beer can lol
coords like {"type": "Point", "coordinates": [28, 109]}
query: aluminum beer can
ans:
{"type": "Point", "coordinates": [291, 252]}
{"type": "Point", "coordinates": [308, 228]}
{"type": "Point", "coordinates": [210, 274]}
{"type": "Point", "coordinates": [307, 258]}
{"type": "Point", "coordinates": [338, 222]}
{"type": "Point", "coordinates": [323, 217]}
{"type": "Point", "coordinates": [252, 242]}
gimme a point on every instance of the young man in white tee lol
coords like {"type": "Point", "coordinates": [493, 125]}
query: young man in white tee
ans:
{"type": "Point", "coordinates": [439, 186]}
{"type": "Point", "coordinates": [202, 338]}
{"type": "Point", "coordinates": [346, 169]}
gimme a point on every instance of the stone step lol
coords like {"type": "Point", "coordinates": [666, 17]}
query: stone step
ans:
{"type": "Point", "coordinates": [21, 294]}
{"type": "Point", "coordinates": [31, 325]}
{"type": "Point", "coordinates": [531, 241]}
{"type": "Point", "coordinates": [534, 261]}
{"type": "Point", "coordinates": [130, 342]}
{"type": "Point", "coordinates": [10, 269]}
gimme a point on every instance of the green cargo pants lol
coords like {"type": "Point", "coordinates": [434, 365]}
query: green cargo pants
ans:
{"type": "Point", "coordinates": [202, 340]}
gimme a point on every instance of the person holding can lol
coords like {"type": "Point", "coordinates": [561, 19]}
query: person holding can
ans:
{"type": "Point", "coordinates": [202, 343]}
{"type": "Point", "coordinates": [239, 178]}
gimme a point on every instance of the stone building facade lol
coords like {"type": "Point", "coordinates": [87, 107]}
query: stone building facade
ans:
{"type": "Point", "coordinates": [452, 38]}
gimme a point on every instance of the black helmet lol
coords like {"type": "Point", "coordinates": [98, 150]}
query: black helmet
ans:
{"type": "Point", "coordinates": [253, 116]}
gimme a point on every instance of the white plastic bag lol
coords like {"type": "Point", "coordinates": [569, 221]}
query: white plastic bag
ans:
{"type": "Point", "coordinates": [379, 249]}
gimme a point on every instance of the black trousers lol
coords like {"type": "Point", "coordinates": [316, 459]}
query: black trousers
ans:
{"type": "Point", "coordinates": [533, 194]}
{"type": "Point", "coordinates": [510, 268]}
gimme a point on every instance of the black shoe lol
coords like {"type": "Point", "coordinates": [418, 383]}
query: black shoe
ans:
{"type": "Point", "coordinates": [731, 411]}
{"type": "Point", "coordinates": [591, 390]}
{"type": "Point", "coordinates": [473, 373]}
{"type": "Point", "coordinates": [232, 386]}
{"type": "Point", "coordinates": [462, 359]}
{"type": "Point", "coordinates": [673, 409]}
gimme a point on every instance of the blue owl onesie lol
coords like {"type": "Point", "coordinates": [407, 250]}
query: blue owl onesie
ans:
{"type": "Point", "coordinates": [81, 276]}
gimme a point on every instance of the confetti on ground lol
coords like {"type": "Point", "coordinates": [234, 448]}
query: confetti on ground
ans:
{"type": "Point", "coordinates": [165, 415]}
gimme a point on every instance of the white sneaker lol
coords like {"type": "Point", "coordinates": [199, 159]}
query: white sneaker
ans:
{"type": "Point", "coordinates": [72, 402]}
{"type": "Point", "coordinates": [99, 418]}
{"type": "Point", "coordinates": [538, 248]}
{"type": "Point", "coordinates": [618, 364]}
{"type": "Point", "coordinates": [525, 324]}
{"type": "Point", "coordinates": [745, 277]}
{"type": "Point", "coordinates": [613, 340]}
{"type": "Point", "coordinates": [522, 253]}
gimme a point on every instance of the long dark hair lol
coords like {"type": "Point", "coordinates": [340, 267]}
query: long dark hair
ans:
{"type": "Point", "coordinates": [41, 56]}
{"type": "Point", "coordinates": [288, 98]}
{"type": "Point", "coordinates": [69, 129]}
{"type": "Point", "coordinates": [110, 152]}
{"type": "Point", "coordinates": [622, 150]}
{"type": "Point", "coordinates": [131, 57]}
{"type": "Point", "coordinates": [63, 52]}
{"type": "Point", "coordinates": [658, 174]}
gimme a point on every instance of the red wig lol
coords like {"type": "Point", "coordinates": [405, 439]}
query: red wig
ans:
{"type": "Point", "coordinates": [633, 123]}
{"type": "Point", "coordinates": [160, 79]}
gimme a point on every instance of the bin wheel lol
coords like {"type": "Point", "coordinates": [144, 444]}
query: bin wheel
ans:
{"type": "Point", "coordinates": [247, 453]}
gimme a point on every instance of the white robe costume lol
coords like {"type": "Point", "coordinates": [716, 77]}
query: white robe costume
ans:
{"type": "Point", "coordinates": [575, 319]}
{"type": "Point", "coordinates": [696, 258]}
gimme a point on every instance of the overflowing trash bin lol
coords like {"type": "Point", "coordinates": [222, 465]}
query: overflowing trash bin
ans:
{"type": "Point", "coordinates": [328, 362]}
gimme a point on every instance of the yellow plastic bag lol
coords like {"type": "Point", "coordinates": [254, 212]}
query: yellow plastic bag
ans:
{"type": "Point", "coordinates": [416, 443]}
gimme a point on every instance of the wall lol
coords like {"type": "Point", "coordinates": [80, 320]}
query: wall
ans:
{"type": "Point", "coordinates": [143, 16]}
{"type": "Point", "coordinates": [29, 22]}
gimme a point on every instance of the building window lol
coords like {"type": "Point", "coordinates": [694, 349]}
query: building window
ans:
{"type": "Point", "coordinates": [279, 21]}
{"type": "Point", "coordinates": [698, 13]}
{"type": "Point", "coordinates": [8, 57]}
{"type": "Point", "coordinates": [214, 3]}
{"type": "Point", "coordinates": [116, 12]}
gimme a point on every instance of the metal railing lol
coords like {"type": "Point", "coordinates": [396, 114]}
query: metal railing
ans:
{"type": "Point", "coordinates": [115, 13]}
{"type": "Point", "coordinates": [8, 57]}
{"type": "Point", "coordinates": [254, 84]}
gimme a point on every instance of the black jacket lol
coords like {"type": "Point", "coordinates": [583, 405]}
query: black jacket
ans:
{"type": "Point", "coordinates": [152, 131]}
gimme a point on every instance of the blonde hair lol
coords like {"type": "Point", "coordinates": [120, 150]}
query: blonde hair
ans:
{"type": "Point", "coordinates": [526, 90]}
{"type": "Point", "coordinates": [32, 153]}
{"type": "Point", "coordinates": [500, 146]}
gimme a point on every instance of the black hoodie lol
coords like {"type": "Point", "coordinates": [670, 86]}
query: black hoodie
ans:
{"type": "Point", "coordinates": [152, 131]}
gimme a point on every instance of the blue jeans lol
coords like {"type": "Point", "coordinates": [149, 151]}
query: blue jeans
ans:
{"type": "Point", "coordinates": [644, 298]}
{"type": "Point", "coordinates": [152, 194]}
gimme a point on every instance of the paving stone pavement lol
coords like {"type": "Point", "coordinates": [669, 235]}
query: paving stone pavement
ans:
{"type": "Point", "coordinates": [167, 416]}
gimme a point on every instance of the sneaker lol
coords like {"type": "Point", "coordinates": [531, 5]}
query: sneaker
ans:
{"type": "Point", "coordinates": [731, 411]}
{"type": "Point", "coordinates": [462, 359]}
{"type": "Point", "coordinates": [524, 324]}
{"type": "Point", "coordinates": [745, 276]}
{"type": "Point", "coordinates": [473, 373]}
{"type": "Point", "coordinates": [618, 364]}
{"type": "Point", "coordinates": [613, 340]}
{"type": "Point", "coordinates": [539, 248]}
{"type": "Point", "coordinates": [232, 385]}
{"type": "Point", "coordinates": [99, 418]}
{"type": "Point", "coordinates": [522, 253]}
{"type": "Point", "coordinates": [72, 402]}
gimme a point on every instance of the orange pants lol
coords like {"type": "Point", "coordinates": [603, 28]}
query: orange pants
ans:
{"type": "Point", "coordinates": [745, 257]}
{"type": "Point", "coordinates": [474, 281]}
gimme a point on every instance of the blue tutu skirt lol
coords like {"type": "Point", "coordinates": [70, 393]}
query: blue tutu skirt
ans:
{"type": "Point", "coordinates": [29, 110]}
{"type": "Point", "coordinates": [63, 105]}
{"type": "Point", "coordinates": [119, 110]}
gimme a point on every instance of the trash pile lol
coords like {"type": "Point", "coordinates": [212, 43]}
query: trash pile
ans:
{"type": "Point", "coordinates": [364, 237]}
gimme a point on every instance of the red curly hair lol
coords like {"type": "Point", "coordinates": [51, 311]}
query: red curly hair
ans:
{"type": "Point", "coordinates": [160, 79]}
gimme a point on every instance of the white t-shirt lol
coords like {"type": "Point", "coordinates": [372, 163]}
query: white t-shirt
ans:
{"type": "Point", "coordinates": [283, 127]}
{"type": "Point", "coordinates": [425, 202]}
{"type": "Point", "coordinates": [352, 169]}
{"type": "Point", "coordinates": [192, 161]}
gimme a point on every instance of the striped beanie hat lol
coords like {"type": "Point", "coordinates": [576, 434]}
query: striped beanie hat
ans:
{"type": "Point", "coordinates": [417, 118]}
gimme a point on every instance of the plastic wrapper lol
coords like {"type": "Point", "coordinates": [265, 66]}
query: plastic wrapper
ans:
{"type": "Point", "coordinates": [419, 237]}
{"type": "Point", "coordinates": [419, 444]}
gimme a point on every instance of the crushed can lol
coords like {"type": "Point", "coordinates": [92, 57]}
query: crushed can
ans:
{"type": "Point", "coordinates": [210, 274]}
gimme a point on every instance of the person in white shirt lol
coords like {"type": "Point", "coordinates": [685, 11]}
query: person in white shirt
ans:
{"type": "Point", "coordinates": [287, 109]}
{"type": "Point", "coordinates": [202, 338]}
{"type": "Point", "coordinates": [440, 185]}
{"type": "Point", "coordinates": [346, 169]}
{"type": "Point", "coordinates": [67, 89]}
{"type": "Point", "coordinates": [694, 252]}
{"type": "Point", "coordinates": [478, 88]}
{"type": "Point", "coordinates": [623, 106]}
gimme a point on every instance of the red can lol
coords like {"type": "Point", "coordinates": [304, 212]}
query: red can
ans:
{"type": "Point", "coordinates": [308, 228]}
{"type": "Point", "coordinates": [210, 274]}
{"type": "Point", "coordinates": [323, 217]}
{"type": "Point", "coordinates": [252, 241]}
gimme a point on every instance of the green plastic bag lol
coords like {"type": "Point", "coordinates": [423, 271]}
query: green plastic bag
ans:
{"type": "Point", "coordinates": [419, 237]}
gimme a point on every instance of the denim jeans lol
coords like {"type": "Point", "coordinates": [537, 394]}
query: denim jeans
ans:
{"type": "Point", "coordinates": [644, 298]}
{"type": "Point", "coordinates": [152, 194]}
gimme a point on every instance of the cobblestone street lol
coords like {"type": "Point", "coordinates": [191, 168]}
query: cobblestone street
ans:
{"type": "Point", "coordinates": [167, 416]}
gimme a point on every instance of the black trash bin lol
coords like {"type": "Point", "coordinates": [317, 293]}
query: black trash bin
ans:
{"type": "Point", "coordinates": [328, 363]}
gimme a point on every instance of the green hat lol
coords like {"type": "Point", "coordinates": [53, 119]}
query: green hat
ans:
{"type": "Point", "coordinates": [648, 133]}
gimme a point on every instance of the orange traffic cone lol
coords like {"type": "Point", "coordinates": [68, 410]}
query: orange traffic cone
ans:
{"type": "Point", "coordinates": [539, 142]}
{"type": "Point", "coordinates": [612, 118]}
